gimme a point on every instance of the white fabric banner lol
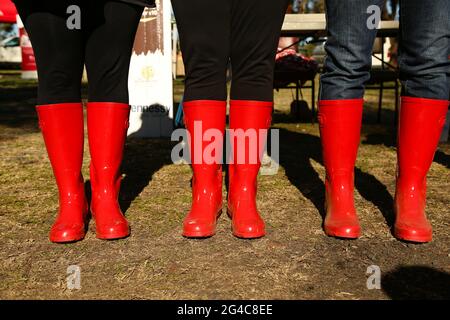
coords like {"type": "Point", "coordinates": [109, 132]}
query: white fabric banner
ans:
{"type": "Point", "coordinates": [150, 80]}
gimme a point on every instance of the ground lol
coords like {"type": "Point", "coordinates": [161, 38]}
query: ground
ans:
{"type": "Point", "coordinates": [294, 261]}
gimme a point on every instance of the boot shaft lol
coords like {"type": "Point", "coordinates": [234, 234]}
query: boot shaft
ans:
{"type": "Point", "coordinates": [420, 124]}
{"type": "Point", "coordinates": [107, 127]}
{"type": "Point", "coordinates": [249, 125]}
{"type": "Point", "coordinates": [62, 127]}
{"type": "Point", "coordinates": [205, 122]}
{"type": "Point", "coordinates": [340, 130]}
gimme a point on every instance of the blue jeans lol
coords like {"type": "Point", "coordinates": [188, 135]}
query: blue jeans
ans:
{"type": "Point", "coordinates": [424, 42]}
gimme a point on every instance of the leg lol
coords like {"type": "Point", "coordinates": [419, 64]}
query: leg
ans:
{"type": "Point", "coordinates": [109, 30]}
{"type": "Point", "coordinates": [349, 49]}
{"type": "Point", "coordinates": [204, 38]}
{"type": "Point", "coordinates": [59, 51]}
{"type": "Point", "coordinates": [347, 68]}
{"type": "Point", "coordinates": [425, 70]}
{"type": "Point", "coordinates": [424, 48]}
{"type": "Point", "coordinates": [256, 27]}
{"type": "Point", "coordinates": [204, 35]}
{"type": "Point", "coordinates": [59, 59]}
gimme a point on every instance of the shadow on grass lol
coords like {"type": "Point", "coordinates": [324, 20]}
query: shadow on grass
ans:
{"type": "Point", "coordinates": [442, 158]}
{"type": "Point", "coordinates": [18, 105]}
{"type": "Point", "coordinates": [17, 109]}
{"type": "Point", "coordinates": [388, 138]}
{"type": "Point", "coordinates": [143, 157]}
{"type": "Point", "coordinates": [416, 283]}
{"type": "Point", "coordinates": [370, 116]}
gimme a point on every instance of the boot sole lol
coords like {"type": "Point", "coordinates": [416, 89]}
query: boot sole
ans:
{"type": "Point", "coordinates": [413, 239]}
{"type": "Point", "coordinates": [112, 236]}
{"type": "Point", "coordinates": [65, 241]}
{"type": "Point", "coordinates": [248, 236]}
{"type": "Point", "coordinates": [346, 236]}
{"type": "Point", "coordinates": [198, 235]}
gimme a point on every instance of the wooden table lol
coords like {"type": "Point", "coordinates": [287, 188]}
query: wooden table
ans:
{"type": "Point", "coordinates": [314, 24]}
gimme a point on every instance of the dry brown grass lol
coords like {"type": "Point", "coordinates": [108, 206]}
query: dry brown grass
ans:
{"type": "Point", "coordinates": [294, 261]}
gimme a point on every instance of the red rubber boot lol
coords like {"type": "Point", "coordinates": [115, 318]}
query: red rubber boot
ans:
{"type": "Point", "coordinates": [420, 125]}
{"type": "Point", "coordinates": [63, 131]}
{"type": "Point", "coordinates": [107, 128]}
{"type": "Point", "coordinates": [246, 116]}
{"type": "Point", "coordinates": [340, 126]}
{"type": "Point", "coordinates": [200, 116]}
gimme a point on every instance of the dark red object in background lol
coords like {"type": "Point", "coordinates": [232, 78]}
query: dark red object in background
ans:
{"type": "Point", "coordinates": [28, 59]}
{"type": "Point", "coordinates": [8, 12]}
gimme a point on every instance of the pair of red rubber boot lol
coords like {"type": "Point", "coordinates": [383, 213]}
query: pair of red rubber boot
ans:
{"type": "Point", "coordinates": [205, 119]}
{"type": "Point", "coordinates": [62, 126]}
{"type": "Point", "coordinates": [420, 124]}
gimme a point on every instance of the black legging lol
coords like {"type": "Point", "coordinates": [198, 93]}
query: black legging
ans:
{"type": "Point", "coordinates": [103, 43]}
{"type": "Point", "coordinates": [243, 32]}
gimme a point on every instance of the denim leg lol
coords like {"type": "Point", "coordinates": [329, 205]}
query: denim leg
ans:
{"type": "Point", "coordinates": [424, 48]}
{"type": "Point", "coordinates": [349, 48]}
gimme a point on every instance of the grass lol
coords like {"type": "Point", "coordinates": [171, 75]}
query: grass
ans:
{"type": "Point", "coordinates": [294, 261]}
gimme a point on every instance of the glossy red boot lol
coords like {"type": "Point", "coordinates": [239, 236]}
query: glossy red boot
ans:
{"type": "Point", "coordinates": [249, 124]}
{"type": "Point", "coordinates": [420, 125]}
{"type": "Point", "coordinates": [340, 126]}
{"type": "Point", "coordinates": [202, 118]}
{"type": "Point", "coordinates": [63, 131]}
{"type": "Point", "coordinates": [107, 128]}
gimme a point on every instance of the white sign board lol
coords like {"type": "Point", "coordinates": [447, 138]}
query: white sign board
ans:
{"type": "Point", "coordinates": [150, 80]}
